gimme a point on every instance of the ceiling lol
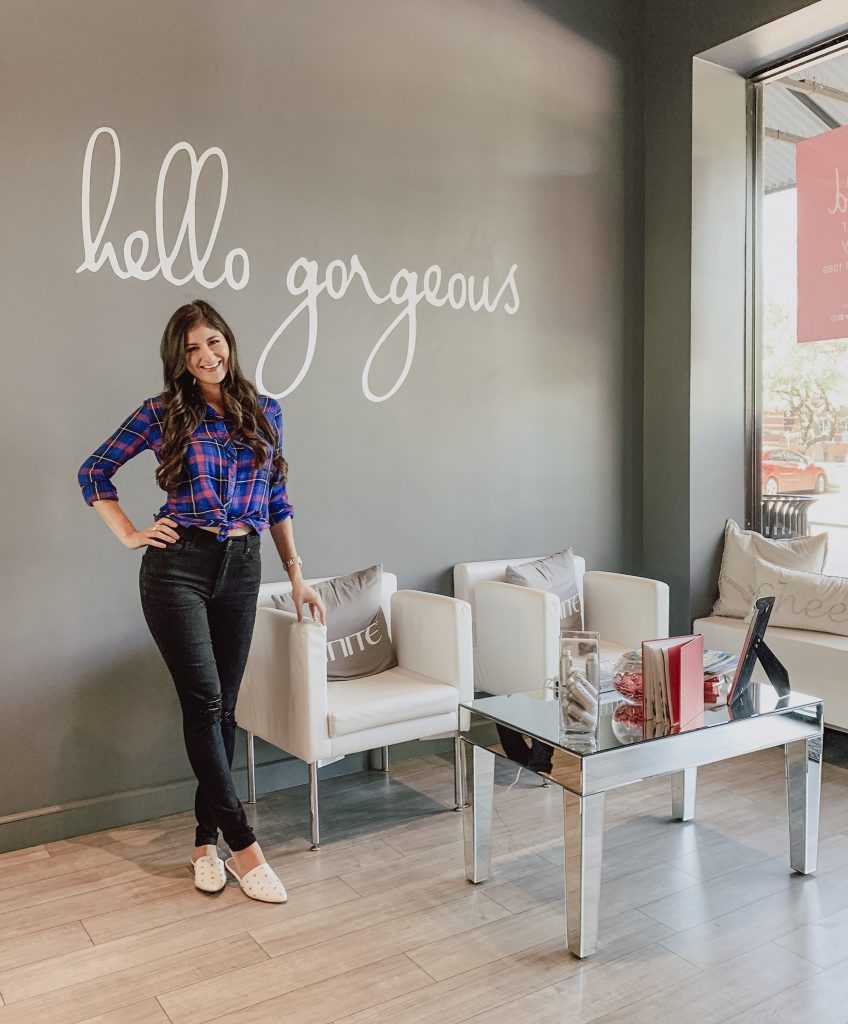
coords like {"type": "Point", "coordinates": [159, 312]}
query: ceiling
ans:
{"type": "Point", "coordinates": [805, 103]}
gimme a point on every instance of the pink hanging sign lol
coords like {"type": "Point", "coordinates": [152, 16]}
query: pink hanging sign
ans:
{"type": "Point", "coordinates": [822, 175]}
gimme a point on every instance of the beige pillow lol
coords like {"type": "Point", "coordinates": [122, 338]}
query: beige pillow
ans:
{"type": "Point", "coordinates": [803, 600]}
{"type": "Point", "coordinates": [741, 547]}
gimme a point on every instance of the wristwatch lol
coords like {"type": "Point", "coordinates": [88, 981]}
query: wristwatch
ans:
{"type": "Point", "coordinates": [289, 562]}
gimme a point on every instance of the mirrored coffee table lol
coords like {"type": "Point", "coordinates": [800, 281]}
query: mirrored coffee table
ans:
{"type": "Point", "coordinates": [617, 756]}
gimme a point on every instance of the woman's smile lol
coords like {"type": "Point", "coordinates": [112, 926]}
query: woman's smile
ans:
{"type": "Point", "coordinates": [207, 354]}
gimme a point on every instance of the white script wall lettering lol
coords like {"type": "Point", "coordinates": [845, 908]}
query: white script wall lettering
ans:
{"type": "Point", "coordinates": [137, 244]}
{"type": "Point", "coordinates": [303, 278]}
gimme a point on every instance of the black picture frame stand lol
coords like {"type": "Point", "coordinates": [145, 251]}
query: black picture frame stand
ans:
{"type": "Point", "coordinates": [756, 649]}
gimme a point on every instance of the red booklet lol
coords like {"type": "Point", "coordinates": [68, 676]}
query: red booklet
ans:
{"type": "Point", "coordinates": [673, 684]}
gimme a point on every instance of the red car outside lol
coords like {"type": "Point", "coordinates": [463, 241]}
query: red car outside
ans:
{"type": "Point", "coordinates": [786, 472]}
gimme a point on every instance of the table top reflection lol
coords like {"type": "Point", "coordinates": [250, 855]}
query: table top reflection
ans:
{"type": "Point", "coordinates": [536, 713]}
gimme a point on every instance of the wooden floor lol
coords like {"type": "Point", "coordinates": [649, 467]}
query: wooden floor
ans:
{"type": "Point", "coordinates": [701, 922]}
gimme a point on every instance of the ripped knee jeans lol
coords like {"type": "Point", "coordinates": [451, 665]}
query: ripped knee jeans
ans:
{"type": "Point", "coordinates": [199, 601]}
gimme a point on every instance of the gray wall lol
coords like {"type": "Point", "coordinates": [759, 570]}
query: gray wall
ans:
{"type": "Point", "coordinates": [469, 134]}
{"type": "Point", "coordinates": [695, 273]}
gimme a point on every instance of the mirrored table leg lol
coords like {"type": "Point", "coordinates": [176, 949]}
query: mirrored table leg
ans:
{"type": "Point", "coordinates": [683, 789]}
{"type": "Point", "coordinates": [584, 837]}
{"type": "Point", "coordinates": [803, 788]}
{"type": "Point", "coordinates": [479, 769]}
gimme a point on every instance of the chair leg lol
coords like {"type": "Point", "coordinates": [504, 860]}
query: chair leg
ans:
{"type": "Point", "coordinates": [378, 759]}
{"type": "Point", "coordinates": [313, 804]}
{"type": "Point", "coordinates": [458, 774]}
{"type": "Point", "coordinates": [251, 770]}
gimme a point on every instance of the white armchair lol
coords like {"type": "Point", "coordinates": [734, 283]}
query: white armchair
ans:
{"type": "Point", "coordinates": [516, 629]}
{"type": "Point", "coordinates": [286, 699]}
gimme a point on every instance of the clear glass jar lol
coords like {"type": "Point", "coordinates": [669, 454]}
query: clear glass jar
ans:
{"type": "Point", "coordinates": [627, 676]}
{"type": "Point", "coordinates": [578, 693]}
{"type": "Point", "coordinates": [628, 722]}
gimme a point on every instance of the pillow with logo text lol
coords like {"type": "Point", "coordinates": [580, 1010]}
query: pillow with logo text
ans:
{"type": "Point", "coordinates": [803, 600]}
{"type": "Point", "coordinates": [358, 642]}
{"type": "Point", "coordinates": [742, 547]}
{"type": "Point", "coordinates": [556, 574]}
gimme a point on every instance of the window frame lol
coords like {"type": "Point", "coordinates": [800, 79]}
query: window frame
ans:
{"type": "Point", "coordinates": [754, 313]}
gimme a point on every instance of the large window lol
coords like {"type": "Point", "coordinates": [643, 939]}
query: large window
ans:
{"type": "Point", "coordinates": [801, 444]}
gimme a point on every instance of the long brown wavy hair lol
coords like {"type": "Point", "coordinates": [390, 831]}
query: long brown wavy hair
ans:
{"type": "Point", "coordinates": [185, 406]}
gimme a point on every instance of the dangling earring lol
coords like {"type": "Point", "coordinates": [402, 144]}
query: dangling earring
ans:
{"type": "Point", "coordinates": [194, 382]}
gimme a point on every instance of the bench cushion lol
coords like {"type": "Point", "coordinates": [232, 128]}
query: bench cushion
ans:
{"type": "Point", "coordinates": [817, 663]}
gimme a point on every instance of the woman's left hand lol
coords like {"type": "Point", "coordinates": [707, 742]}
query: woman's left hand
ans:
{"type": "Point", "coordinates": [303, 594]}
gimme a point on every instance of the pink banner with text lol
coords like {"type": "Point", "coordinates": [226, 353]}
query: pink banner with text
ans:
{"type": "Point", "coordinates": [822, 175]}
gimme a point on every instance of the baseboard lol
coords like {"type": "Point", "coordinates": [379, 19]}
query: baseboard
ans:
{"type": "Point", "coordinates": [47, 825]}
{"type": "Point", "coordinates": [835, 747]}
{"type": "Point", "coordinates": [114, 810]}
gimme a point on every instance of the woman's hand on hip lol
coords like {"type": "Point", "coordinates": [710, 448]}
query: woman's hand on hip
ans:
{"type": "Point", "coordinates": [303, 594]}
{"type": "Point", "coordinates": [158, 535]}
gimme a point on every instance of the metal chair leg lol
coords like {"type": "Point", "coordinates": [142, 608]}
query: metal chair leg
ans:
{"type": "Point", "coordinates": [385, 755]}
{"type": "Point", "coordinates": [458, 774]}
{"type": "Point", "coordinates": [313, 804]}
{"type": "Point", "coordinates": [251, 770]}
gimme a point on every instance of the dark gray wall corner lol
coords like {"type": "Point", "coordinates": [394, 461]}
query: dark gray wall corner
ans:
{"type": "Point", "coordinates": [469, 134]}
{"type": "Point", "coordinates": [618, 28]}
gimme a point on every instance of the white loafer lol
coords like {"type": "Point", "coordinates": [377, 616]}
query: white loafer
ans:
{"type": "Point", "coordinates": [260, 883]}
{"type": "Point", "coordinates": [209, 874]}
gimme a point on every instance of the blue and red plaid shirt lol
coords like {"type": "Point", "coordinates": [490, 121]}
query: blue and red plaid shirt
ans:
{"type": "Point", "coordinates": [220, 485]}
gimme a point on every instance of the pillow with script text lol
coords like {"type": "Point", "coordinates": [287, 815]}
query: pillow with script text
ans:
{"type": "Point", "coordinates": [803, 600]}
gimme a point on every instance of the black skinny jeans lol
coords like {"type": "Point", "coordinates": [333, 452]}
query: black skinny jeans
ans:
{"type": "Point", "coordinates": [199, 600]}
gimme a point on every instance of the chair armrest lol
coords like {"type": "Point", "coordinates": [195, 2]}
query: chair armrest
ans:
{"type": "Point", "coordinates": [431, 635]}
{"type": "Point", "coordinates": [625, 609]}
{"type": "Point", "coordinates": [517, 637]}
{"type": "Point", "coordinates": [283, 696]}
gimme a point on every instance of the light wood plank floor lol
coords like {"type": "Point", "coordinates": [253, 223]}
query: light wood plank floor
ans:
{"type": "Point", "coordinates": [701, 922]}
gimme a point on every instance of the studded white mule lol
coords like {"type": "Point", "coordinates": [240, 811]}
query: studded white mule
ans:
{"type": "Point", "coordinates": [260, 883]}
{"type": "Point", "coordinates": [209, 874]}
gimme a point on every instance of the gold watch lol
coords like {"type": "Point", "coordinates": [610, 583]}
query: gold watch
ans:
{"type": "Point", "coordinates": [289, 562]}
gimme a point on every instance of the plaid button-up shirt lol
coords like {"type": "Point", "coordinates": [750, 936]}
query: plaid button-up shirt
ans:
{"type": "Point", "coordinates": [220, 485]}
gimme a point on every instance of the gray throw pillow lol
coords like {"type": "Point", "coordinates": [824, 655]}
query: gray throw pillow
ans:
{"type": "Point", "coordinates": [556, 574]}
{"type": "Point", "coordinates": [358, 642]}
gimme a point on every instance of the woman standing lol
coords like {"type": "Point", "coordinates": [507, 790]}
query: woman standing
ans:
{"type": "Point", "coordinates": [219, 448]}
